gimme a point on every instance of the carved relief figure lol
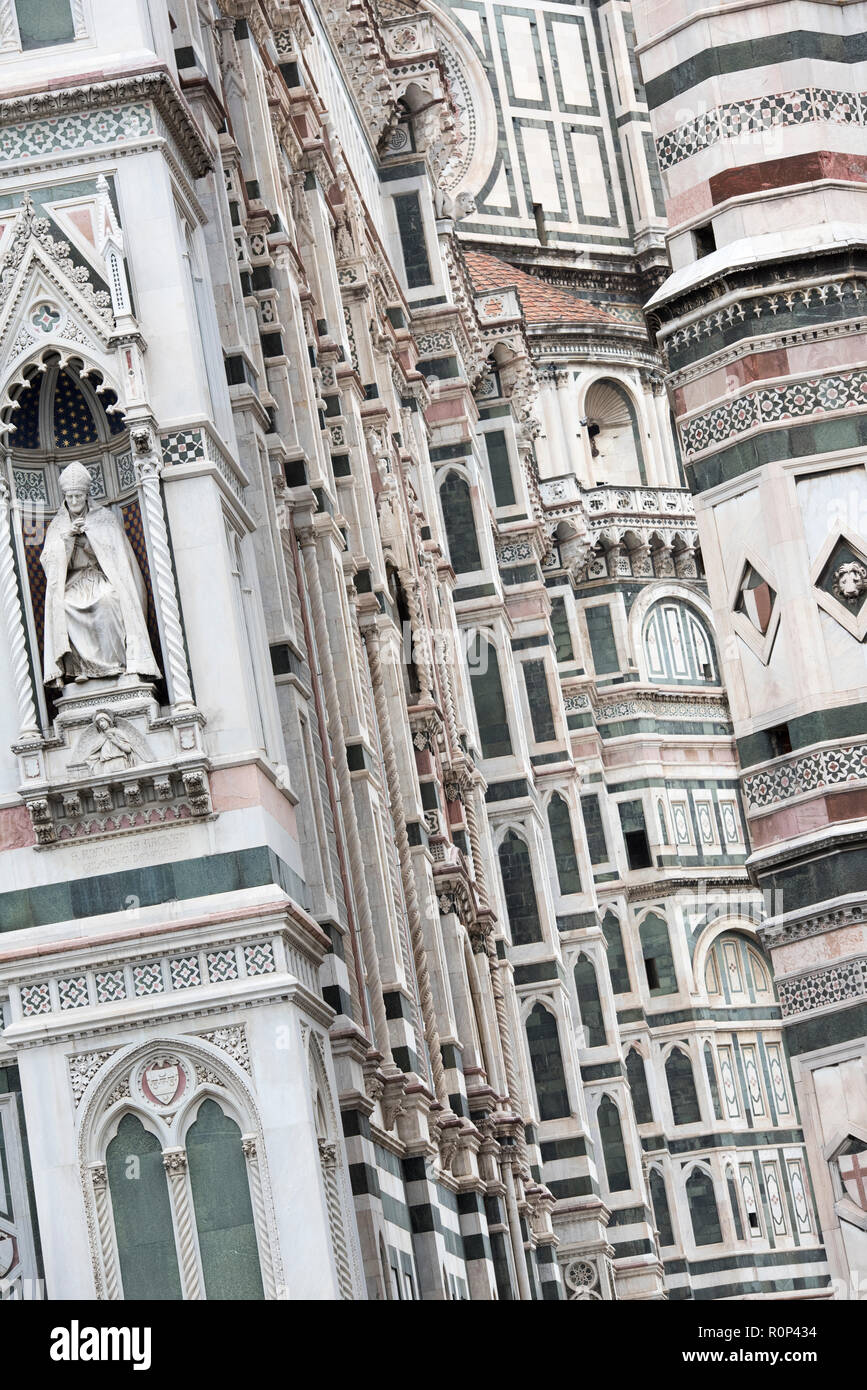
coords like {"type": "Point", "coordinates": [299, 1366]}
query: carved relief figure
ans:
{"type": "Point", "coordinates": [110, 744]}
{"type": "Point", "coordinates": [95, 595]}
{"type": "Point", "coordinates": [850, 581]}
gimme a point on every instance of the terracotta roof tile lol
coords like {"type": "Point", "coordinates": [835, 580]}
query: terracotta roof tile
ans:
{"type": "Point", "coordinates": [540, 302]}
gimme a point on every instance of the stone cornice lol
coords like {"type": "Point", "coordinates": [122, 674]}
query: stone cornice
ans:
{"type": "Point", "coordinates": [154, 85]}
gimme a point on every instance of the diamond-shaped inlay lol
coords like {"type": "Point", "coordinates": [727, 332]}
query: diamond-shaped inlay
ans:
{"type": "Point", "coordinates": [222, 965]}
{"type": "Point", "coordinates": [35, 999]}
{"type": "Point", "coordinates": [185, 972]}
{"type": "Point", "coordinates": [110, 986]}
{"type": "Point", "coordinates": [259, 958]}
{"type": "Point", "coordinates": [72, 992]}
{"type": "Point", "coordinates": [839, 574]}
{"type": "Point", "coordinates": [755, 599]}
{"type": "Point", "coordinates": [148, 978]}
{"type": "Point", "coordinates": [845, 576]}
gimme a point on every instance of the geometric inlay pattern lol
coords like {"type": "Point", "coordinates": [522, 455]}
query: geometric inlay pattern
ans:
{"type": "Point", "coordinates": [185, 972]}
{"type": "Point", "coordinates": [148, 979]}
{"type": "Point", "coordinates": [222, 965]}
{"type": "Point", "coordinates": [259, 958]}
{"type": "Point", "coordinates": [826, 767]}
{"type": "Point", "coordinates": [75, 132]}
{"type": "Point", "coordinates": [72, 992]}
{"type": "Point", "coordinates": [847, 980]}
{"type": "Point", "coordinates": [736, 119]}
{"type": "Point", "coordinates": [108, 985]}
{"type": "Point", "coordinates": [772, 405]}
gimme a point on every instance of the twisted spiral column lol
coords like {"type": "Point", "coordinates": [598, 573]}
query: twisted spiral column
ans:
{"type": "Point", "coordinates": [307, 541]}
{"type": "Point", "coordinates": [175, 1164]}
{"type": "Point", "coordinates": [421, 659]}
{"type": "Point", "coordinates": [392, 777]}
{"type": "Point", "coordinates": [11, 601]}
{"type": "Point", "coordinates": [476, 844]}
{"type": "Point", "coordinates": [148, 468]}
{"type": "Point", "coordinates": [99, 1185]}
{"type": "Point", "coordinates": [249, 1144]}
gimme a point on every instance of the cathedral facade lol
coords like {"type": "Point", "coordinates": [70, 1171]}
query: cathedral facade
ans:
{"type": "Point", "coordinates": [431, 571]}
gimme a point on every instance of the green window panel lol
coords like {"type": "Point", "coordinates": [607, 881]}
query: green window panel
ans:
{"type": "Point", "coordinates": [613, 1148]}
{"type": "Point", "coordinates": [594, 829]}
{"type": "Point", "coordinates": [656, 950]}
{"type": "Point", "coordinates": [681, 1088]}
{"type": "Point", "coordinates": [410, 227]}
{"type": "Point", "coordinates": [142, 1213]}
{"type": "Point", "coordinates": [460, 524]}
{"type": "Point", "coordinates": [539, 700]}
{"type": "Point", "coordinates": [618, 969]}
{"type": "Point", "coordinates": [546, 1059]}
{"type": "Point", "coordinates": [636, 1075]}
{"type": "Point", "coordinates": [661, 1211]}
{"type": "Point", "coordinates": [560, 628]}
{"type": "Point", "coordinates": [600, 630]}
{"type": "Point", "coordinates": [221, 1201]}
{"type": "Point", "coordinates": [500, 468]}
{"type": "Point", "coordinates": [563, 842]}
{"type": "Point", "coordinates": [490, 705]}
{"type": "Point", "coordinates": [703, 1211]}
{"type": "Point", "coordinates": [589, 1002]}
{"type": "Point", "coordinates": [43, 23]}
{"type": "Point", "coordinates": [710, 1068]}
{"type": "Point", "coordinates": [519, 890]}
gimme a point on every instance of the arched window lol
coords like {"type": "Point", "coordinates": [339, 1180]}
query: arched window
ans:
{"type": "Point", "coordinates": [587, 989]}
{"type": "Point", "coordinates": [636, 1075]}
{"type": "Point", "coordinates": [656, 950]}
{"type": "Point", "coordinates": [613, 1148]}
{"type": "Point", "coordinates": [661, 1211]}
{"type": "Point", "coordinates": [221, 1201]}
{"type": "Point", "coordinates": [703, 1211]}
{"type": "Point", "coordinates": [563, 842]}
{"type": "Point", "coordinates": [681, 1088]}
{"type": "Point", "coordinates": [490, 705]}
{"type": "Point", "coordinates": [710, 1068]}
{"type": "Point", "coordinates": [678, 647]}
{"type": "Point", "coordinates": [615, 439]}
{"type": "Point", "coordinates": [460, 524]}
{"type": "Point", "coordinates": [546, 1059]}
{"type": "Point", "coordinates": [617, 966]}
{"type": "Point", "coordinates": [519, 890]}
{"type": "Point", "coordinates": [143, 1226]}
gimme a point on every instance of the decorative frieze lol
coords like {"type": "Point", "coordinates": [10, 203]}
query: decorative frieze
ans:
{"type": "Point", "coordinates": [836, 984]}
{"type": "Point", "coordinates": [772, 406]}
{"type": "Point", "coordinates": [114, 982]}
{"type": "Point", "coordinates": [826, 767]}
{"type": "Point", "coordinates": [737, 120]}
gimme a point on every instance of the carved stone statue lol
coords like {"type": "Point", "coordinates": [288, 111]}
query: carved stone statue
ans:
{"type": "Point", "coordinates": [95, 595]}
{"type": "Point", "coordinates": [850, 581]}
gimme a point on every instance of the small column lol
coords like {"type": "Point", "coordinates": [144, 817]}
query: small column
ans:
{"type": "Point", "coordinates": [148, 468]}
{"type": "Point", "coordinates": [99, 1186]}
{"type": "Point", "coordinates": [14, 616]}
{"type": "Point", "coordinates": [250, 1145]}
{"type": "Point", "coordinates": [175, 1164]}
